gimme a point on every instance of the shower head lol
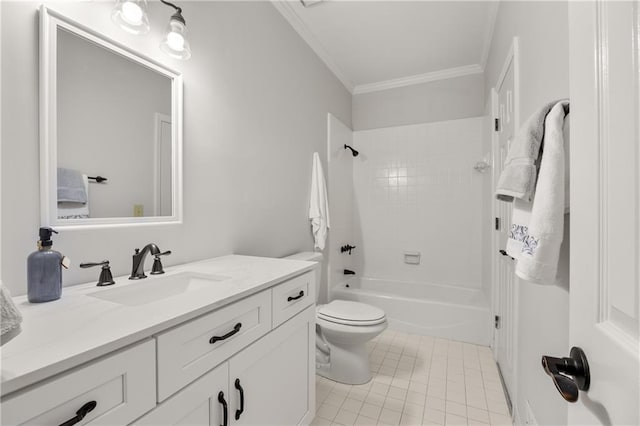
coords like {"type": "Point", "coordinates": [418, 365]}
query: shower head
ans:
{"type": "Point", "coordinates": [353, 151]}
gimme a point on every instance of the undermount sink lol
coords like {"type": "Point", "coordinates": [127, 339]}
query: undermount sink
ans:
{"type": "Point", "coordinates": [154, 288]}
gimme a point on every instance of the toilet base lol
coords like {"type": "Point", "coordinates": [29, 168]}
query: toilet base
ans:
{"type": "Point", "coordinates": [348, 365]}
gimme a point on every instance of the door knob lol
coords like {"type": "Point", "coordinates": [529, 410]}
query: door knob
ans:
{"type": "Point", "coordinates": [568, 374]}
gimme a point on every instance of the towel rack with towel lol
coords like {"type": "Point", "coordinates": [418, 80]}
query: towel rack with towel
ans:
{"type": "Point", "coordinates": [97, 179]}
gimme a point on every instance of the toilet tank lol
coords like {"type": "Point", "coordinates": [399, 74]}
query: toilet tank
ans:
{"type": "Point", "coordinates": [311, 256]}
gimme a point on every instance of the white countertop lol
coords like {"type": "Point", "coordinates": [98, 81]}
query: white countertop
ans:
{"type": "Point", "coordinates": [77, 328]}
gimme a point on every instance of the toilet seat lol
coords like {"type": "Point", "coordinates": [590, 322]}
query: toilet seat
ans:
{"type": "Point", "coordinates": [351, 313]}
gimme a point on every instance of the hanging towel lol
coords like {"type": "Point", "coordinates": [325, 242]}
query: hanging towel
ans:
{"type": "Point", "coordinates": [520, 217]}
{"type": "Point", "coordinates": [71, 187]}
{"type": "Point", "coordinates": [10, 317]}
{"type": "Point", "coordinates": [318, 204]}
{"type": "Point", "coordinates": [518, 178]}
{"type": "Point", "coordinates": [537, 228]}
{"type": "Point", "coordinates": [67, 210]}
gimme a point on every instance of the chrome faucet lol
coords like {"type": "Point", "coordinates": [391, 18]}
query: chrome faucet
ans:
{"type": "Point", "coordinates": [137, 270]}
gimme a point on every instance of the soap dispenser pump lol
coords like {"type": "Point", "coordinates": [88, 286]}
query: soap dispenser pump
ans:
{"type": "Point", "coordinates": [44, 270]}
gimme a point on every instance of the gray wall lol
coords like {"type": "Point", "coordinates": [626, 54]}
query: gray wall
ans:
{"type": "Point", "coordinates": [543, 311]}
{"type": "Point", "coordinates": [255, 105]}
{"type": "Point", "coordinates": [441, 100]}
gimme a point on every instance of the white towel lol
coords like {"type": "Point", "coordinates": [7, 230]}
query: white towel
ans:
{"type": "Point", "coordinates": [318, 204]}
{"type": "Point", "coordinates": [75, 210]}
{"type": "Point", "coordinates": [10, 316]}
{"type": "Point", "coordinates": [537, 227]}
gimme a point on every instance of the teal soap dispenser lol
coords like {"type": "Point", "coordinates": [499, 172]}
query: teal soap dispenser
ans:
{"type": "Point", "coordinates": [44, 270]}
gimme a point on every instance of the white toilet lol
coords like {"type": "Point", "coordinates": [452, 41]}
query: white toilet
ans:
{"type": "Point", "coordinates": [343, 329]}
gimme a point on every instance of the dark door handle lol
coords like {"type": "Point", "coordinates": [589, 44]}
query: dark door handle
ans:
{"type": "Point", "coordinates": [241, 410]}
{"type": "Point", "coordinates": [236, 328]}
{"type": "Point", "coordinates": [225, 409]}
{"type": "Point", "coordinates": [504, 253]}
{"type": "Point", "coordinates": [569, 375]}
{"type": "Point", "coordinates": [81, 413]}
{"type": "Point", "coordinates": [289, 299]}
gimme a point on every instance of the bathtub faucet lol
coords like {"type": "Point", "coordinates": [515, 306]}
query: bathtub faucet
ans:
{"type": "Point", "coordinates": [346, 248]}
{"type": "Point", "coordinates": [348, 272]}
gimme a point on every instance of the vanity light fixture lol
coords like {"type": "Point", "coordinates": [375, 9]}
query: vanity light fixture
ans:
{"type": "Point", "coordinates": [174, 42]}
{"type": "Point", "coordinates": [131, 16]}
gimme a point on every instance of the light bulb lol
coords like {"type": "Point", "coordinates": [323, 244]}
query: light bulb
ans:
{"type": "Point", "coordinates": [132, 13]}
{"type": "Point", "coordinates": [131, 16]}
{"type": "Point", "coordinates": [175, 41]}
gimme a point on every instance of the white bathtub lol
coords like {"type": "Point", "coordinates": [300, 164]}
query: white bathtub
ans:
{"type": "Point", "coordinates": [455, 313]}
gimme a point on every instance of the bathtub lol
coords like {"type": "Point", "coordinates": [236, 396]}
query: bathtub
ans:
{"type": "Point", "coordinates": [455, 313]}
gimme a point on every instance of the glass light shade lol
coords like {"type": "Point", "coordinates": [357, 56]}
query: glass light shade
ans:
{"type": "Point", "coordinates": [175, 43]}
{"type": "Point", "coordinates": [131, 16]}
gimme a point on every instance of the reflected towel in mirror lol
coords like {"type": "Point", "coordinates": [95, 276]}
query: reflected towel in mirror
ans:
{"type": "Point", "coordinates": [71, 187]}
{"type": "Point", "coordinates": [67, 210]}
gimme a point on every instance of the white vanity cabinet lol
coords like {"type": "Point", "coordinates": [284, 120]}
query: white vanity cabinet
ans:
{"type": "Point", "coordinates": [250, 360]}
{"type": "Point", "coordinates": [204, 403]}
{"type": "Point", "coordinates": [121, 386]}
{"type": "Point", "coordinates": [272, 382]}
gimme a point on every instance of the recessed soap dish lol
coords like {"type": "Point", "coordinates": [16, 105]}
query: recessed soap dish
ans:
{"type": "Point", "coordinates": [412, 257]}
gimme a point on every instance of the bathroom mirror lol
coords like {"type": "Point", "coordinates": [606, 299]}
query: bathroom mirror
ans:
{"type": "Point", "coordinates": [111, 131]}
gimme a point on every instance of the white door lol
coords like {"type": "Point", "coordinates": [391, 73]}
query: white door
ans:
{"type": "Point", "coordinates": [162, 166]}
{"type": "Point", "coordinates": [505, 291]}
{"type": "Point", "coordinates": [202, 403]}
{"type": "Point", "coordinates": [605, 209]}
{"type": "Point", "coordinates": [271, 380]}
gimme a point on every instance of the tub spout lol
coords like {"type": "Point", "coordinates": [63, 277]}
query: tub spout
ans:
{"type": "Point", "coordinates": [348, 272]}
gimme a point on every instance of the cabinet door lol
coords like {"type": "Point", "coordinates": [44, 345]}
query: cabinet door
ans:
{"type": "Point", "coordinates": [276, 375]}
{"type": "Point", "coordinates": [112, 390]}
{"type": "Point", "coordinates": [198, 404]}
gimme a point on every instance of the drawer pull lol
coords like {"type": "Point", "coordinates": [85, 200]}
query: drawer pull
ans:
{"type": "Point", "coordinates": [289, 299]}
{"type": "Point", "coordinates": [241, 410]}
{"type": "Point", "coordinates": [81, 413]}
{"type": "Point", "coordinates": [225, 409]}
{"type": "Point", "coordinates": [236, 328]}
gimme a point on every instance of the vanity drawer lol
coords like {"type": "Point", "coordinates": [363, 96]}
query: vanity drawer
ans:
{"type": "Point", "coordinates": [122, 386]}
{"type": "Point", "coordinates": [293, 296]}
{"type": "Point", "coordinates": [188, 351]}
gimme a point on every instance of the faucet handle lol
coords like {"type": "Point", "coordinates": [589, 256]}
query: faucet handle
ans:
{"type": "Point", "coordinates": [106, 278]}
{"type": "Point", "coordinates": [157, 268]}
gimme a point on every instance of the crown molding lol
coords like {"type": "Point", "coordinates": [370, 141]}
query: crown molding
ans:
{"type": "Point", "coordinates": [418, 79]}
{"type": "Point", "coordinates": [286, 9]}
{"type": "Point", "coordinates": [492, 15]}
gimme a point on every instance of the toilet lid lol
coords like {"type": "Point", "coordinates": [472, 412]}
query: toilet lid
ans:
{"type": "Point", "coordinates": [352, 313]}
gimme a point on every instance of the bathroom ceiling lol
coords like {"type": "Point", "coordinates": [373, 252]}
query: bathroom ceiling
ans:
{"type": "Point", "coordinates": [373, 45]}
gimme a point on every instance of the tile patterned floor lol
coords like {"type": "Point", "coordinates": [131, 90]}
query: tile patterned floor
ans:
{"type": "Point", "coordinates": [418, 380]}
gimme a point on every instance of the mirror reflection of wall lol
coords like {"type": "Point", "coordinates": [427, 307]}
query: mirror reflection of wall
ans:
{"type": "Point", "coordinates": [113, 120]}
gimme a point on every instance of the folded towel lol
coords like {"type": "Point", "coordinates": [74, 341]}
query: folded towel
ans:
{"type": "Point", "coordinates": [75, 210]}
{"type": "Point", "coordinates": [70, 186]}
{"type": "Point", "coordinates": [318, 204]}
{"type": "Point", "coordinates": [10, 317]}
{"type": "Point", "coordinates": [518, 178]}
{"type": "Point", "coordinates": [537, 228]}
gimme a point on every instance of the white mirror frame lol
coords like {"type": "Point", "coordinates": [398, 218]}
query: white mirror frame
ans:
{"type": "Point", "coordinates": [50, 21]}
